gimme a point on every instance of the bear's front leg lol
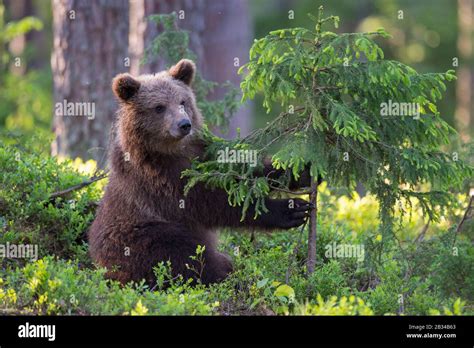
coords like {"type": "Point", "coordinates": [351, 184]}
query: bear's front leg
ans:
{"type": "Point", "coordinates": [211, 208]}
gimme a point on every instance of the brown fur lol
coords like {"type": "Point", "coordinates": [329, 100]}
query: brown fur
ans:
{"type": "Point", "coordinates": [139, 222]}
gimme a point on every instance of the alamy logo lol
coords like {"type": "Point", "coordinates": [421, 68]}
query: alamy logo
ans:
{"type": "Point", "coordinates": [74, 109]}
{"type": "Point", "coordinates": [400, 109]}
{"type": "Point", "coordinates": [345, 251]}
{"type": "Point", "coordinates": [237, 156]}
{"type": "Point", "coordinates": [19, 251]}
{"type": "Point", "coordinates": [37, 331]}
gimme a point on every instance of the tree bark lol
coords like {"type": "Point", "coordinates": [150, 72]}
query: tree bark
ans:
{"type": "Point", "coordinates": [464, 84]}
{"type": "Point", "coordinates": [90, 48]}
{"type": "Point", "coordinates": [220, 31]}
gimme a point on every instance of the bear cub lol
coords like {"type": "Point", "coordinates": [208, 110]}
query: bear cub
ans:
{"type": "Point", "coordinates": [144, 218]}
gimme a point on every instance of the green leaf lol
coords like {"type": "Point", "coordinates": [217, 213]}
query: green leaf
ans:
{"type": "Point", "coordinates": [262, 283]}
{"type": "Point", "coordinates": [285, 291]}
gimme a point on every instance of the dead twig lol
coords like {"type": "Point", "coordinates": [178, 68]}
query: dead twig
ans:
{"type": "Point", "coordinates": [421, 236]}
{"type": "Point", "coordinates": [79, 186]}
{"type": "Point", "coordinates": [466, 216]}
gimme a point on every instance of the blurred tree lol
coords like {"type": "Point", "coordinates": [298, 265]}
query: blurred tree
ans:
{"type": "Point", "coordinates": [25, 96]}
{"type": "Point", "coordinates": [90, 48]}
{"type": "Point", "coordinates": [39, 43]}
{"type": "Point", "coordinates": [34, 45]}
{"type": "Point", "coordinates": [220, 35]}
{"type": "Point", "coordinates": [464, 86]}
{"type": "Point", "coordinates": [17, 11]}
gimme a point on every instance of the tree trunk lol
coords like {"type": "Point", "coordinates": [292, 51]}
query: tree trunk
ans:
{"type": "Point", "coordinates": [35, 40]}
{"type": "Point", "coordinates": [313, 228]}
{"type": "Point", "coordinates": [220, 31]}
{"type": "Point", "coordinates": [90, 48]}
{"type": "Point", "coordinates": [40, 40]}
{"type": "Point", "coordinates": [464, 84]}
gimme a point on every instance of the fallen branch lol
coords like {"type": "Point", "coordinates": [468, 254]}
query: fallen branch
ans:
{"type": "Point", "coordinates": [79, 186]}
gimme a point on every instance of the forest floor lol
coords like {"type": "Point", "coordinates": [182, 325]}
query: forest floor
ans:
{"type": "Point", "coordinates": [420, 269]}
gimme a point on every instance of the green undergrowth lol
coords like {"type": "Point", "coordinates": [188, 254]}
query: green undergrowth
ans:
{"type": "Point", "coordinates": [413, 273]}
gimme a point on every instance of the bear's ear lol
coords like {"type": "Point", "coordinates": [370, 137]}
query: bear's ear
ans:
{"type": "Point", "coordinates": [125, 86]}
{"type": "Point", "coordinates": [184, 71]}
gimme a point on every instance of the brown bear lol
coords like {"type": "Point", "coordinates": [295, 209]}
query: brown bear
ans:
{"type": "Point", "coordinates": [144, 218]}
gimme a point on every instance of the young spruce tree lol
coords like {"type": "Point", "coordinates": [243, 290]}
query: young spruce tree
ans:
{"type": "Point", "coordinates": [337, 92]}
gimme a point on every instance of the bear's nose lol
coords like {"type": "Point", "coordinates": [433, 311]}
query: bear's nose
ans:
{"type": "Point", "coordinates": [184, 126]}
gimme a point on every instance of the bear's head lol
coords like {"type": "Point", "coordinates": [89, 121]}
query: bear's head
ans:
{"type": "Point", "coordinates": [158, 113]}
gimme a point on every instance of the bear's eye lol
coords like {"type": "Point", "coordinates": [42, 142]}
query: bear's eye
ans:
{"type": "Point", "coordinates": [160, 109]}
{"type": "Point", "coordinates": [183, 103]}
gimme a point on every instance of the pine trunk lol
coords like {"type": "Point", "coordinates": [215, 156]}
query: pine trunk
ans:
{"type": "Point", "coordinates": [464, 83]}
{"type": "Point", "coordinates": [90, 48]}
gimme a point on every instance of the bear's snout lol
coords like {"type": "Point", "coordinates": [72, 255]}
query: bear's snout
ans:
{"type": "Point", "coordinates": [184, 127]}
